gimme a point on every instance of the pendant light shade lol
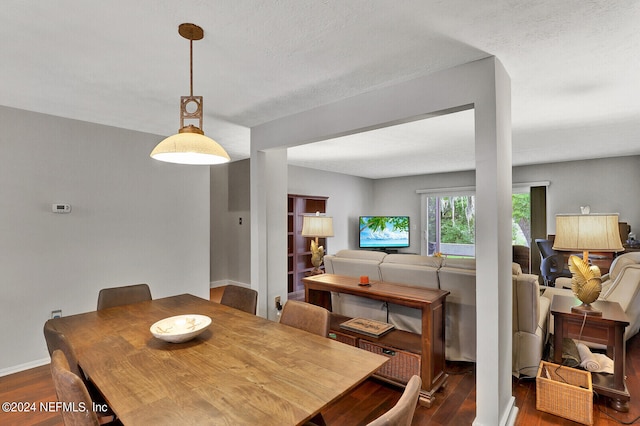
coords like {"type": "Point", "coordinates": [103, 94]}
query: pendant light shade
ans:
{"type": "Point", "coordinates": [190, 145]}
{"type": "Point", "coordinates": [190, 148]}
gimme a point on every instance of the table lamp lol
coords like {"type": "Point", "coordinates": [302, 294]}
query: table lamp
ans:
{"type": "Point", "coordinates": [586, 232]}
{"type": "Point", "coordinates": [317, 226]}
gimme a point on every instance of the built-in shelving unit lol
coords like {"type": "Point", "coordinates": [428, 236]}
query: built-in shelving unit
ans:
{"type": "Point", "coordinates": [299, 252]}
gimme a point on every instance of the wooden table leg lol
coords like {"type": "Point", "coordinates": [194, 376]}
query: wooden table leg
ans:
{"type": "Point", "coordinates": [318, 297]}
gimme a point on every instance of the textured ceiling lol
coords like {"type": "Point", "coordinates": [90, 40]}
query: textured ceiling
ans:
{"type": "Point", "coordinates": [574, 67]}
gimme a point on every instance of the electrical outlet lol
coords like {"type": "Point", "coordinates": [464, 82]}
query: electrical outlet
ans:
{"type": "Point", "coordinates": [56, 314]}
{"type": "Point", "coordinates": [278, 305]}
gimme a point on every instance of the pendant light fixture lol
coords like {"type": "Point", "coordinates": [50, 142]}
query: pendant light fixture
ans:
{"type": "Point", "coordinates": [190, 145]}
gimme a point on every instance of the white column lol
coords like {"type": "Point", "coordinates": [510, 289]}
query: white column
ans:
{"type": "Point", "coordinates": [483, 85]}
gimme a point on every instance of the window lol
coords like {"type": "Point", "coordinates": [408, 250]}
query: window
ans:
{"type": "Point", "coordinates": [521, 219]}
{"type": "Point", "coordinates": [451, 225]}
{"type": "Point", "coordinates": [449, 219]}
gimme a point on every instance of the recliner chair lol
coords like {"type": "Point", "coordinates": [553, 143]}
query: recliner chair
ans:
{"type": "Point", "coordinates": [621, 284]}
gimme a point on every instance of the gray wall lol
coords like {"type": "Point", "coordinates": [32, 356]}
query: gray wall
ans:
{"type": "Point", "coordinates": [133, 220]}
{"type": "Point", "coordinates": [397, 196]}
{"type": "Point", "coordinates": [607, 185]}
{"type": "Point", "coordinates": [348, 196]}
{"type": "Point", "coordinates": [230, 224]}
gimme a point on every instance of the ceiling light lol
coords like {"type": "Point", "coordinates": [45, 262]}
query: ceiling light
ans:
{"type": "Point", "coordinates": [190, 145]}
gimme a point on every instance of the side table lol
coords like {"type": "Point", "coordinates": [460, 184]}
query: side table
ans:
{"type": "Point", "coordinates": [430, 343]}
{"type": "Point", "coordinates": [607, 330]}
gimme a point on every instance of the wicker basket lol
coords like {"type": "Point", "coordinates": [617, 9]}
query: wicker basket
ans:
{"type": "Point", "coordinates": [402, 365]}
{"type": "Point", "coordinates": [344, 338]}
{"type": "Point", "coordinates": [565, 392]}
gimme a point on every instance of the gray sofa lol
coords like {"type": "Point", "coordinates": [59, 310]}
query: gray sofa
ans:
{"type": "Point", "coordinates": [456, 275]}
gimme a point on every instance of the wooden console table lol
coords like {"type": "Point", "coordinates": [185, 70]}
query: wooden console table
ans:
{"type": "Point", "coordinates": [428, 347]}
{"type": "Point", "coordinates": [607, 330]}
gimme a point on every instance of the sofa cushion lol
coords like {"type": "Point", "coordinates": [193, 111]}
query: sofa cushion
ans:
{"type": "Point", "coordinates": [355, 263]}
{"type": "Point", "coordinates": [530, 312]}
{"type": "Point", "coordinates": [413, 259]}
{"type": "Point", "coordinates": [459, 263]}
{"type": "Point", "coordinates": [460, 311]}
{"type": "Point", "coordinates": [356, 268]}
{"type": "Point", "coordinates": [362, 254]}
{"type": "Point", "coordinates": [411, 269]}
{"type": "Point", "coordinates": [526, 303]}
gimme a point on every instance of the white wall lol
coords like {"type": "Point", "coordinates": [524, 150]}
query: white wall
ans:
{"type": "Point", "coordinates": [133, 220]}
{"type": "Point", "coordinates": [483, 84]}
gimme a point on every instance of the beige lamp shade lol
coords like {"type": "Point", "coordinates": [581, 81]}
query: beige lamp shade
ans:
{"type": "Point", "coordinates": [587, 232]}
{"type": "Point", "coordinates": [190, 148]}
{"type": "Point", "coordinates": [317, 226]}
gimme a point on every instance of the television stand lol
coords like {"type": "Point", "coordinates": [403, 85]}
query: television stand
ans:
{"type": "Point", "coordinates": [411, 353]}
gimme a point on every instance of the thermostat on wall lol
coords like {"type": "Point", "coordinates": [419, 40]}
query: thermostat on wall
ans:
{"type": "Point", "coordinates": [61, 208]}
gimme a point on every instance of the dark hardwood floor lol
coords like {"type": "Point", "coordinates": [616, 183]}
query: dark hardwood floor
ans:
{"type": "Point", "coordinates": [454, 405]}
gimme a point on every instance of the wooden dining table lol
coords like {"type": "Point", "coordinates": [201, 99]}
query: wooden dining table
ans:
{"type": "Point", "coordinates": [243, 369]}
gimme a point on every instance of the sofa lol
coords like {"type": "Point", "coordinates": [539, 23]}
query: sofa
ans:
{"type": "Point", "coordinates": [621, 284]}
{"type": "Point", "coordinates": [458, 276]}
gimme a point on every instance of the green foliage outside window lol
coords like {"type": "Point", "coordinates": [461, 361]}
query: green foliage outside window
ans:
{"type": "Point", "coordinates": [521, 227]}
{"type": "Point", "coordinates": [457, 219]}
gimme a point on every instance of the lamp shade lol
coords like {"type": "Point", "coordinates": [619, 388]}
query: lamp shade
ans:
{"type": "Point", "coordinates": [190, 148]}
{"type": "Point", "coordinates": [592, 232]}
{"type": "Point", "coordinates": [317, 226]}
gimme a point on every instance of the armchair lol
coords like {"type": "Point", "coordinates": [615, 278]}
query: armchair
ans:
{"type": "Point", "coordinates": [622, 285]}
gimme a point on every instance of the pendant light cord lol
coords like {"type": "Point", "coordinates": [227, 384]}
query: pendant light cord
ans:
{"type": "Point", "coordinates": [191, 67]}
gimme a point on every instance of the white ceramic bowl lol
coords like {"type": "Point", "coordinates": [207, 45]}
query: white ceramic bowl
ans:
{"type": "Point", "coordinates": [180, 328]}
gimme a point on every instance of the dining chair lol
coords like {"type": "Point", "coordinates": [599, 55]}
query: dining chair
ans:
{"type": "Point", "coordinates": [401, 414]}
{"type": "Point", "coordinates": [57, 341]}
{"type": "Point", "coordinates": [242, 298]}
{"type": "Point", "coordinates": [306, 316]}
{"type": "Point", "coordinates": [118, 296]}
{"type": "Point", "coordinates": [70, 389]}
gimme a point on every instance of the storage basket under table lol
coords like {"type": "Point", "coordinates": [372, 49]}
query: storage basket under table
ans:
{"type": "Point", "coordinates": [564, 391]}
{"type": "Point", "coordinates": [401, 365]}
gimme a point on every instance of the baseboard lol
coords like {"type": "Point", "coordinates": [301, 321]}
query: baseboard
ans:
{"type": "Point", "coordinates": [25, 366]}
{"type": "Point", "coordinates": [222, 283]}
{"type": "Point", "coordinates": [511, 413]}
{"type": "Point", "coordinates": [508, 417]}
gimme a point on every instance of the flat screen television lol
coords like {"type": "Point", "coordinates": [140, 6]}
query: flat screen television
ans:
{"type": "Point", "coordinates": [382, 232]}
